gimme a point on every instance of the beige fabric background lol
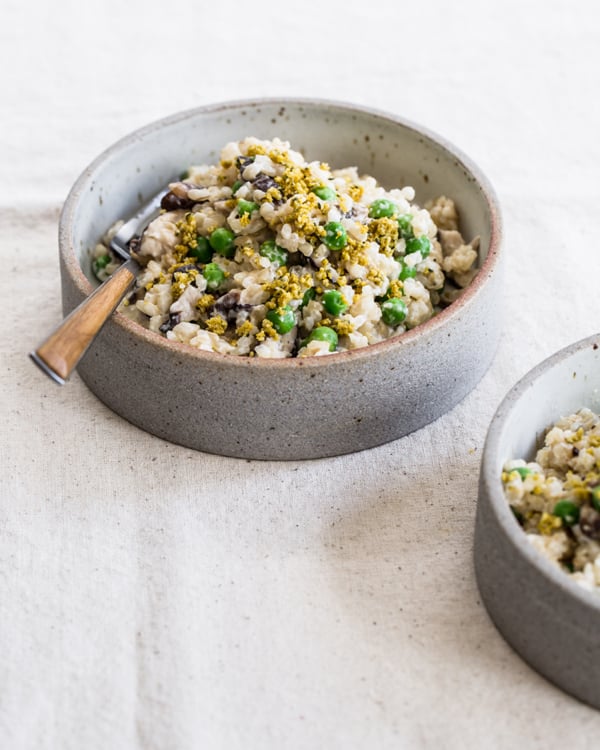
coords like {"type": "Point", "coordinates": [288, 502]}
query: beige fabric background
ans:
{"type": "Point", "coordinates": [154, 597]}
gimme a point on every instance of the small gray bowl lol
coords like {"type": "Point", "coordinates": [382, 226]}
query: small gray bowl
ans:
{"type": "Point", "coordinates": [548, 619]}
{"type": "Point", "coordinates": [293, 408]}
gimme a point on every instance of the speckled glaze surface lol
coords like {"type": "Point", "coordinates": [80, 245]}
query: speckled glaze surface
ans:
{"type": "Point", "coordinates": [548, 619]}
{"type": "Point", "coordinates": [293, 408]}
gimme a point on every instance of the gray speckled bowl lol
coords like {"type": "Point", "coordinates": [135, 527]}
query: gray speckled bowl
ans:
{"type": "Point", "coordinates": [547, 618]}
{"type": "Point", "coordinates": [294, 408]}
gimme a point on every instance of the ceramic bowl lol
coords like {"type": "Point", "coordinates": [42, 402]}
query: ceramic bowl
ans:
{"type": "Point", "coordinates": [293, 408]}
{"type": "Point", "coordinates": [547, 618]}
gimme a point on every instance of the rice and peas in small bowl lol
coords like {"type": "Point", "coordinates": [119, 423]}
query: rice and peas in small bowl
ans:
{"type": "Point", "coordinates": [556, 497]}
{"type": "Point", "coordinates": [267, 255]}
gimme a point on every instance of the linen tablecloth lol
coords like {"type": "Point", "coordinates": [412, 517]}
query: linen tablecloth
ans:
{"type": "Point", "coordinates": [156, 597]}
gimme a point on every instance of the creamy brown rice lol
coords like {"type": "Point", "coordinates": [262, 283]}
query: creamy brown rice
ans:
{"type": "Point", "coordinates": [556, 498]}
{"type": "Point", "coordinates": [267, 255]}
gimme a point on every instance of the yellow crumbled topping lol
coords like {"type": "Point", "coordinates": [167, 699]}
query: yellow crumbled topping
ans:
{"type": "Point", "coordinates": [245, 219]}
{"type": "Point", "coordinates": [376, 276]}
{"type": "Point", "coordinates": [354, 252]}
{"type": "Point", "coordinates": [267, 329]}
{"type": "Point", "coordinates": [188, 236]}
{"type": "Point", "coordinates": [181, 280]}
{"type": "Point", "coordinates": [396, 288]}
{"type": "Point", "coordinates": [305, 209]}
{"type": "Point", "coordinates": [342, 326]}
{"type": "Point", "coordinates": [216, 324]}
{"type": "Point", "coordinates": [548, 524]}
{"type": "Point", "coordinates": [575, 437]}
{"type": "Point", "coordinates": [206, 301]}
{"type": "Point", "coordinates": [291, 182]}
{"type": "Point", "coordinates": [273, 194]}
{"type": "Point", "coordinates": [284, 288]}
{"type": "Point", "coordinates": [177, 289]}
{"type": "Point", "coordinates": [356, 192]}
{"type": "Point", "coordinates": [323, 276]}
{"type": "Point", "coordinates": [574, 481]}
{"type": "Point", "coordinates": [246, 329]}
{"type": "Point", "coordinates": [280, 157]}
{"type": "Point", "coordinates": [384, 231]}
{"type": "Point", "coordinates": [592, 478]}
{"type": "Point", "coordinates": [186, 277]}
{"type": "Point", "coordinates": [296, 180]}
{"type": "Point", "coordinates": [255, 149]}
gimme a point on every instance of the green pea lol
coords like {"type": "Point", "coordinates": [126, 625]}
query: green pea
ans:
{"type": "Point", "coordinates": [221, 241]}
{"type": "Point", "coordinates": [185, 174]}
{"type": "Point", "coordinates": [101, 262]}
{"type": "Point", "coordinates": [269, 249]}
{"type": "Point", "coordinates": [407, 272]}
{"type": "Point", "coordinates": [308, 295]}
{"type": "Point", "coordinates": [523, 471]}
{"type": "Point", "coordinates": [202, 251]}
{"type": "Point", "coordinates": [283, 319]}
{"type": "Point", "coordinates": [418, 245]}
{"type": "Point", "coordinates": [325, 193]}
{"type": "Point", "coordinates": [405, 226]}
{"type": "Point", "coordinates": [382, 207]}
{"type": "Point", "coordinates": [596, 496]}
{"type": "Point", "coordinates": [236, 186]}
{"type": "Point", "coordinates": [335, 236]}
{"type": "Point", "coordinates": [334, 302]}
{"type": "Point", "coordinates": [214, 275]}
{"type": "Point", "coordinates": [246, 207]}
{"type": "Point", "coordinates": [322, 333]}
{"type": "Point", "coordinates": [568, 511]}
{"type": "Point", "coordinates": [393, 311]}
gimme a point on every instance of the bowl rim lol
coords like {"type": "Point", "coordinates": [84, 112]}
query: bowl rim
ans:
{"type": "Point", "coordinates": [81, 185]}
{"type": "Point", "coordinates": [497, 501]}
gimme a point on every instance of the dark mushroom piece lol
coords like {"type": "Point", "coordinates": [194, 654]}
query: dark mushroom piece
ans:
{"type": "Point", "coordinates": [174, 319]}
{"type": "Point", "coordinates": [264, 182]}
{"type": "Point", "coordinates": [589, 522]}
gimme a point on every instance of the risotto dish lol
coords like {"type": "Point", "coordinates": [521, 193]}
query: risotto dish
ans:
{"type": "Point", "coordinates": [267, 255]}
{"type": "Point", "coordinates": [556, 498]}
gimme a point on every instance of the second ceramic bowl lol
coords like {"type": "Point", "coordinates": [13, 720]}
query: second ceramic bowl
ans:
{"type": "Point", "coordinates": [548, 619]}
{"type": "Point", "coordinates": [293, 408]}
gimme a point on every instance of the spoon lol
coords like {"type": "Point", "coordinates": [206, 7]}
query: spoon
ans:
{"type": "Point", "coordinates": [60, 353]}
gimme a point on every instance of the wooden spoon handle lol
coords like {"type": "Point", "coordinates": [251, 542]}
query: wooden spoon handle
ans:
{"type": "Point", "coordinates": [59, 354]}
